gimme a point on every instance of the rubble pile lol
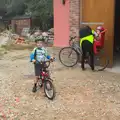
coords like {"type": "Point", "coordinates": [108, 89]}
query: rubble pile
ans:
{"type": "Point", "coordinates": [7, 35]}
{"type": "Point", "coordinates": [4, 37]}
{"type": "Point", "coordinates": [48, 35]}
{"type": "Point", "coordinates": [20, 40]}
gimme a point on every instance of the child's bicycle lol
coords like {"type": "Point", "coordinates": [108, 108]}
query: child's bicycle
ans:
{"type": "Point", "coordinates": [70, 56]}
{"type": "Point", "coordinates": [46, 81]}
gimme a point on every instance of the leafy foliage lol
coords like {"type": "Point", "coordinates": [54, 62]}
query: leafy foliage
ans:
{"type": "Point", "coordinates": [40, 8]}
{"type": "Point", "coordinates": [43, 9]}
{"type": "Point", "coordinates": [15, 7]}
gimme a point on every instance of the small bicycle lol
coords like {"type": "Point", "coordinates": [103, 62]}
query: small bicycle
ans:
{"type": "Point", "coordinates": [70, 56]}
{"type": "Point", "coordinates": [46, 80]}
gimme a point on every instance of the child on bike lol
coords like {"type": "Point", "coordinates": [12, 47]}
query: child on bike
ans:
{"type": "Point", "coordinates": [39, 54]}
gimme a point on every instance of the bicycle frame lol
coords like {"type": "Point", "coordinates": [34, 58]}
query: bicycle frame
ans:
{"type": "Point", "coordinates": [45, 73]}
{"type": "Point", "coordinates": [77, 48]}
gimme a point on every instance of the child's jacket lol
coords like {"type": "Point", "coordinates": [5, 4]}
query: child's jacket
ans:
{"type": "Point", "coordinates": [39, 54]}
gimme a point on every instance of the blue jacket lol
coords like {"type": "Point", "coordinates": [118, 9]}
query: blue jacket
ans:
{"type": "Point", "coordinates": [32, 55]}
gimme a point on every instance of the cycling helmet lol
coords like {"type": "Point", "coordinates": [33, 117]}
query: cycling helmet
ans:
{"type": "Point", "coordinates": [39, 38]}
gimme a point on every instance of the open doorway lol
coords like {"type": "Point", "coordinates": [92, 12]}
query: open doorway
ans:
{"type": "Point", "coordinates": [117, 35]}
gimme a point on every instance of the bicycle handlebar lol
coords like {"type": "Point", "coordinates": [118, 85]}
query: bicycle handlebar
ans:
{"type": "Point", "coordinates": [71, 38]}
{"type": "Point", "coordinates": [51, 60]}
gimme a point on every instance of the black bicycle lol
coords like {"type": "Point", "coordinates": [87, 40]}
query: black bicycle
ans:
{"type": "Point", "coordinates": [70, 56]}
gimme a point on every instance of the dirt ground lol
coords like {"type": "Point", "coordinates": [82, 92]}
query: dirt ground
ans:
{"type": "Point", "coordinates": [79, 95]}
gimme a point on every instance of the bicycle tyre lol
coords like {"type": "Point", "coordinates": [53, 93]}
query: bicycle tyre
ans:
{"type": "Point", "coordinates": [51, 97]}
{"type": "Point", "coordinates": [99, 66]}
{"type": "Point", "coordinates": [72, 50]}
{"type": "Point", "coordinates": [103, 67]}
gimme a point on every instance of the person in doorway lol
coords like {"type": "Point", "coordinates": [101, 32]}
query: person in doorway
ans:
{"type": "Point", "coordinates": [86, 43]}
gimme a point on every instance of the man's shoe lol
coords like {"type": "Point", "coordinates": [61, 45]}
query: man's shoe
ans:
{"type": "Point", "coordinates": [83, 69]}
{"type": "Point", "coordinates": [93, 69]}
{"type": "Point", "coordinates": [34, 89]}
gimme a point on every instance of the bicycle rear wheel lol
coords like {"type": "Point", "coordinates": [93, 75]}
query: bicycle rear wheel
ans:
{"type": "Point", "coordinates": [101, 64]}
{"type": "Point", "coordinates": [68, 56]}
{"type": "Point", "coordinates": [49, 89]}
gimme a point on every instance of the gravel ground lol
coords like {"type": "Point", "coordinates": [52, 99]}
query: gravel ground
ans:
{"type": "Point", "coordinates": [79, 95]}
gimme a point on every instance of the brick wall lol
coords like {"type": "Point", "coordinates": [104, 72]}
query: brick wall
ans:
{"type": "Point", "coordinates": [20, 24]}
{"type": "Point", "coordinates": [74, 17]}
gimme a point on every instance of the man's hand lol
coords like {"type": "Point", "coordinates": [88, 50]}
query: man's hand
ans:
{"type": "Point", "coordinates": [33, 61]}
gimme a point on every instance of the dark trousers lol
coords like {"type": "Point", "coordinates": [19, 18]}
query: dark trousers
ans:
{"type": "Point", "coordinates": [87, 47]}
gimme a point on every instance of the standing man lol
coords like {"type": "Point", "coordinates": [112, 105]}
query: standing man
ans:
{"type": "Point", "coordinates": [86, 43]}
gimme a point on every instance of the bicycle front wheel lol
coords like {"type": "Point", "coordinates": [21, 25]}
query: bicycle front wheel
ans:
{"type": "Point", "coordinates": [68, 56]}
{"type": "Point", "coordinates": [49, 89]}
